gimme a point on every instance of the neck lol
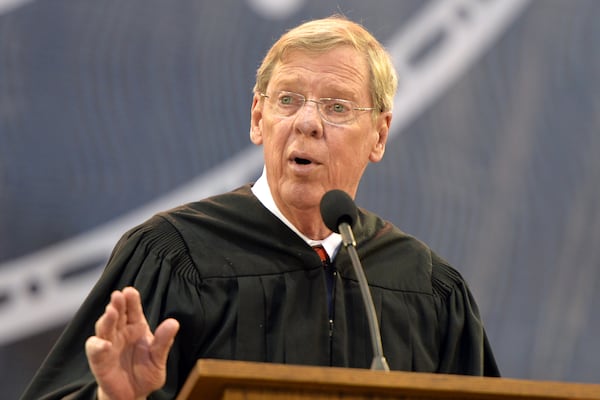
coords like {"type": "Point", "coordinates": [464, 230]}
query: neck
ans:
{"type": "Point", "coordinates": [308, 222]}
{"type": "Point", "coordinates": [304, 215]}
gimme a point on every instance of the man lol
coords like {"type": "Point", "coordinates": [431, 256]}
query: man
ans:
{"type": "Point", "coordinates": [236, 277]}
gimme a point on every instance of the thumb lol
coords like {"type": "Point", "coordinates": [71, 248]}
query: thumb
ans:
{"type": "Point", "coordinates": [164, 336]}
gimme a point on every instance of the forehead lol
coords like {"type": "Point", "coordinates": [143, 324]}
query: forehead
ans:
{"type": "Point", "coordinates": [342, 70]}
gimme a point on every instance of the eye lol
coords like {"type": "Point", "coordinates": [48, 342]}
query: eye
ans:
{"type": "Point", "coordinates": [336, 106]}
{"type": "Point", "coordinates": [289, 99]}
{"type": "Point", "coordinates": [286, 99]}
{"type": "Point", "coordinates": [339, 107]}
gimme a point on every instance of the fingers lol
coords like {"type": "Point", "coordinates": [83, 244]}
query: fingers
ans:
{"type": "Point", "coordinates": [96, 349]}
{"type": "Point", "coordinates": [107, 323]}
{"type": "Point", "coordinates": [125, 308]}
{"type": "Point", "coordinates": [133, 306]}
{"type": "Point", "coordinates": [122, 331]}
{"type": "Point", "coordinates": [114, 317]}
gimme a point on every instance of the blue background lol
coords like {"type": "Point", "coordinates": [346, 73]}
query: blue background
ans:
{"type": "Point", "coordinates": [106, 105]}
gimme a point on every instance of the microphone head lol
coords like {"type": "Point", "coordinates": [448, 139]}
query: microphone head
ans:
{"type": "Point", "coordinates": [337, 207]}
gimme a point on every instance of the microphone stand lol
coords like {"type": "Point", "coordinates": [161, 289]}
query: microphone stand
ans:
{"type": "Point", "coordinates": [379, 362]}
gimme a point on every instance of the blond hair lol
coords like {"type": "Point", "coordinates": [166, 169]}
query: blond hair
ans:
{"type": "Point", "coordinates": [325, 34]}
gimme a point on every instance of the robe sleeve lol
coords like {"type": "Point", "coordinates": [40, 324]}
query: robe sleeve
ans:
{"type": "Point", "coordinates": [153, 258]}
{"type": "Point", "coordinates": [464, 347]}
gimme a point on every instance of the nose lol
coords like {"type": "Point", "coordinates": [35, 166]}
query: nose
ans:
{"type": "Point", "coordinates": [308, 119]}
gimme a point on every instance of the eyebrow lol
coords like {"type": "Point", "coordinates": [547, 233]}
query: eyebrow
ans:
{"type": "Point", "coordinates": [337, 92]}
{"type": "Point", "coordinates": [285, 84]}
{"type": "Point", "coordinates": [293, 83]}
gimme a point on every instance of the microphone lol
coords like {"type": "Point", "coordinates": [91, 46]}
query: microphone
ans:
{"type": "Point", "coordinates": [339, 214]}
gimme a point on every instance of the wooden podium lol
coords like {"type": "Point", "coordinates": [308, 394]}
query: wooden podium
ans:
{"type": "Point", "coordinates": [239, 380]}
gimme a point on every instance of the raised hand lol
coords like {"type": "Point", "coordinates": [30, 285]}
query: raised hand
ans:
{"type": "Point", "coordinates": [128, 361]}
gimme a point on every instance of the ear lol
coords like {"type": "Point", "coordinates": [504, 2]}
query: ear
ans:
{"type": "Point", "coordinates": [382, 128]}
{"type": "Point", "coordinates": [256, 120]}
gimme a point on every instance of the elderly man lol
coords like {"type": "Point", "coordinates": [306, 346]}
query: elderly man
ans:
{"type": "Point", "coordinates": [235, 276]}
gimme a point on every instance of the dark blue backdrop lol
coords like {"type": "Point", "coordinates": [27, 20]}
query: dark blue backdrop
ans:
{"type": "Point", "coordinates": [105, 105]}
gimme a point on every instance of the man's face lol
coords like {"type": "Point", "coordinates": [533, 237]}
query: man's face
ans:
{"type": "Point", "coordinates": [305, 156]}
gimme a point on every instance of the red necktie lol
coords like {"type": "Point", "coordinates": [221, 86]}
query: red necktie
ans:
{"type": "Point", "coordinates": [329, 276]}
{"type": "Point", "coordinates": [322, 254]}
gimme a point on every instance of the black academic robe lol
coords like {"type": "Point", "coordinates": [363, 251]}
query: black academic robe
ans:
{"type": "Point", "coordinates": [245, 287]}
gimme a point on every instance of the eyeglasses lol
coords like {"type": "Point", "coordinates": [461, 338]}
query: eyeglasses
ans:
{"type": "Point", "coordinates": [333, 111]}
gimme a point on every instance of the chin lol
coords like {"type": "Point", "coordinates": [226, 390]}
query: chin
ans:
{"type": "Point", "coordinates": [304, 195]}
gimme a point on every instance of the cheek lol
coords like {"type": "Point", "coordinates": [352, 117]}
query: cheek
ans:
{"type": "Point", "coordinates": [347, 162]}
{"type": "Point", "coordinates": [274, 138]}
{"type": "Point", "coordinates": [351, 155]}
{"type": "Point", "coordinates": [351, 149]}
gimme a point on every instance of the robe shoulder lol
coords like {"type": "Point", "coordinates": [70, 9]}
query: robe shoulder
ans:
{"type": "Point", "coordinates": [400, 261]}
{"type": "Point", "coordinates": [424, 300]}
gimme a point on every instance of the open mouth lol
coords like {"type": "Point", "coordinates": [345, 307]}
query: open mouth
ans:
{"type": "Point", "coordinates": [301, 161]}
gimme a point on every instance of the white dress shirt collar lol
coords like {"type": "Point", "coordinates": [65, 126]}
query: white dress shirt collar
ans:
{"type": "Point", "coordinates": [261, 190]}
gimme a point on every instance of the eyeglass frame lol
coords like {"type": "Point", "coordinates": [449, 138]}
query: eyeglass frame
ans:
{"type": "Point", "coordinates": [319, 103]}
